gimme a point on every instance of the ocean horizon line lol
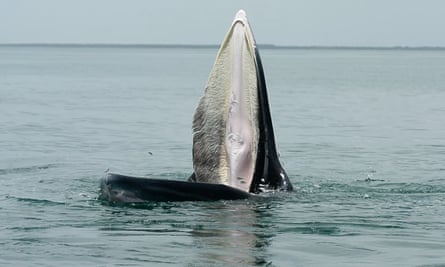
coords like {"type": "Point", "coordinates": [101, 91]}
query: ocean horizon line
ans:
{"type": "Point", "coordinates": [216, 46]}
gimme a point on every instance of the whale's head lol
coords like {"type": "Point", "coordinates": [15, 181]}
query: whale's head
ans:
{"type": "Point", "coordinates": [233, 137]}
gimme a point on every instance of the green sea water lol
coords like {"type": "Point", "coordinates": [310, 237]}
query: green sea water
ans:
{"type": "Point", "coordinates": [361, 133]}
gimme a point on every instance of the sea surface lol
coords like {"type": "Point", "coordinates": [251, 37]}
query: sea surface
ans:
{"type": "Point", "coordinates": [361, 132]}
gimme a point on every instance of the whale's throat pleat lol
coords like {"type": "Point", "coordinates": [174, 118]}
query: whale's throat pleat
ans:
{"type": "Point", "coordinates": [225, 125]}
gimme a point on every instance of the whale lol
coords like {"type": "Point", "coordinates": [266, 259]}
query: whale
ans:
{"type": "Point", "coordinates": [234, 151]}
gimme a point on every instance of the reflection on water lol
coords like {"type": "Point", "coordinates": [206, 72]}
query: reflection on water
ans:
{"type": "Point", "coordinates": [231, 238]}
{"type": "Point", "coordinates": [232, 233]}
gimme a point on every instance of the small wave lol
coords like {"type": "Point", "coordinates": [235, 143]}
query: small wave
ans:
{"type": "Point", "coordinates": [26, 169]}
{"type": "Point", "coordinates": [367, 187]}
{"type": "Point", "coordinates": [36, 201]}
{"type": "Point", "coordinates": [314, 228]}
{"type": "Point", "coordinates": [409, 188]}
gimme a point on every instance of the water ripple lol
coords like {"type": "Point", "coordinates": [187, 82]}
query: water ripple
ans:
{"type": "Point", "coordinates": [26, 169]}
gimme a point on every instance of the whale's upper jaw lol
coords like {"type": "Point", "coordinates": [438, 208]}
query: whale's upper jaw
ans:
{"type": "Point", "coordinates": [233, 140]}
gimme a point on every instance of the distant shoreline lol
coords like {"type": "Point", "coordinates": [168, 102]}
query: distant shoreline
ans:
{"type": "Point", "coordinates": [213, 46]}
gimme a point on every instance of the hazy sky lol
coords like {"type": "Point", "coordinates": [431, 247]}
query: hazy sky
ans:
{"type": "Point", "coordinates": [285, 22]}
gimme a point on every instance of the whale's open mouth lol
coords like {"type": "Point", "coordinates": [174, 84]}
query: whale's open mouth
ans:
{"type": "Point", "coordinates": [233, 139]}
{"type": "Point", "coordinates": [234, 151]}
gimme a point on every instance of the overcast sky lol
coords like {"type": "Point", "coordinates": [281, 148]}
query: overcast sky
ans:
{"type": "Point", "coordinates": [285, 22]}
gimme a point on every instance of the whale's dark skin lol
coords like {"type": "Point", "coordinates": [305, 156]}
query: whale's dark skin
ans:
{"type": "Point", "coordinates": [268, 173]}
{"type": "Point", "coordinates": [127, 189]}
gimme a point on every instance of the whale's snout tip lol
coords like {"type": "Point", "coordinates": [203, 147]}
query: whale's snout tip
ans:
{"type": "Point", "coordinates": [240, 15]}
